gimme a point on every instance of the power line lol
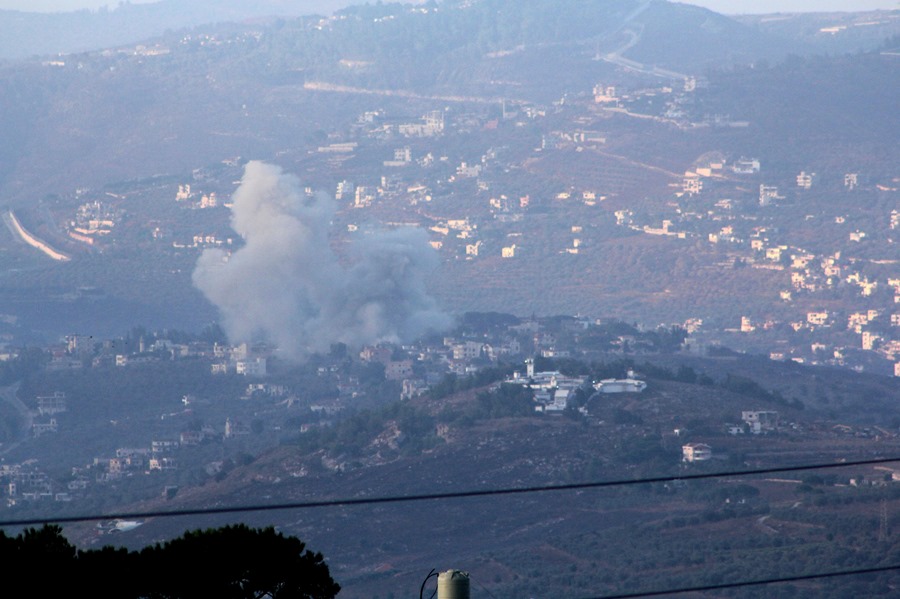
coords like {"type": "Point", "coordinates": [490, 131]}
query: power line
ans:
{"type": "Point", "coordinates": [436, 496]}
{"type": "Point", "coordinates": [750, 583]}
{"type": "Point", "coordinates": [483, 588]}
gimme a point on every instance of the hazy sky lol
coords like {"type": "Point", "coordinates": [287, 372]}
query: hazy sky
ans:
{"type": "Point", "coordinates": [723, 6]}
{"type": "Point", "coordinates": [769, 6]}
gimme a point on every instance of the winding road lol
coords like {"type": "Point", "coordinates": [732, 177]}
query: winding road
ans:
{"type": "Point", "coordinates": [8, 395]}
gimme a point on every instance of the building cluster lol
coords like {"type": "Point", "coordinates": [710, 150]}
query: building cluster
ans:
{"type": "Point", "coordinates": [26, 482]}
{"type": "Point", "coordinates": [93, 220]}
{"type": "Point", "coordinates": [754, 422]}
{"type": "Point", "coordinates": [415, 368]}
{"type": "Point", "coordinates": [868, 291]}
{"type": "Point", "coordinates": [81, 352]}
{"type": "Point", "coordinates": [470, 201]}
{"type": "Point", "coordinates": [554, 391]}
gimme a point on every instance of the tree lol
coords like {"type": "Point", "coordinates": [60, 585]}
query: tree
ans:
{"type": "Point", "coordinates": [34, 551]}
{"type": "Point", "coordinates": [232, 562]}
{"type": "Point", "coordinates": [236, 562]}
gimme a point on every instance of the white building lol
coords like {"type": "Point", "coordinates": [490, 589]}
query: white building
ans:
{"type": "Point", "coordinates": [760, 420]}
{"type": "Point", "coordinates": [254, 367]}
{"type": "Point", "coordinates": [746, 166]}
{"type": "Point", "coordinates": [696, 452]}
{"type": "Point", "coordinates": [626, 385]}
{"type": "Point", "coordinates": [767, 194]}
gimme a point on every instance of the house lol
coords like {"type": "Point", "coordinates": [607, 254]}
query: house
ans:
{"type": "Point", "coordinates": [774, 253]}
{"type": "Point", "coordinates": [412, 388]}
{"type": "Point", "coordinates": [254, 367]}
{"type": "Point", "coordinates": [375, 354]}
{"type": "Point", "coordinates": [190, 438]}
{"type": "Point", "coordinates": [163, 446]}
{"type": "Point", "coordinates": [817, 318]}
{"type": "Point", "coordinates": [746, 166]}
{"type": "Point", "coordinates": [398, 370]}
{"type": "Point", "coordinates": [63, 363]}
{"type": "Point", "coordinates": [760, 421]}
{"type": "Point", "coordinates": [552, 389]}
{"type": "Point", "coordinates": [696, 452]}
{"type": "Point", "coordinates": [42, 428]}
{"type": "Point", "coordinates": [132, 455]}
{"type": "Point", "coordinates": [468, 350]}
{"type": "Point", "coordinates": [163, 464]}
{"type": "Point", "coordinates": [468, 171]}
{"type": "Point", "coordinates": [869, 340]}
{"type": "Point", "coordinates": [691, 183]}
{"type": "Point", "coordinates": [626, 385]}
{"type": "Point", "coordinates": [402, 157]}
{"type": "Point", "coordinates": [768, 193]}
{"type": "Point", "coordinates": [219, 368]}
{"type": "Point", "coordinates": [51, 404]}
{"type": "Point", "coordinates": [265, 389]}
{"type": "Point", "coordinates": [552, 400]}
{"type": "Point", "coordinates": [432, 124]}
{"type": "Point", "coordinates": [605, 94]}
{"type": "Point", "coordinates": [234, 428]}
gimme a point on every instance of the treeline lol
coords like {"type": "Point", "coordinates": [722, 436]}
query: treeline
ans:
{"type": "Point", "coordinates": [452, 383]}
{"type": "Point", "coordinates": [416, 427]}
{"type": "Point", "coordinates": [402, 48]}
{"type": "Point", "coordinates": [352, 437]}
{"type": "Point", "coordinates": [232, 562]}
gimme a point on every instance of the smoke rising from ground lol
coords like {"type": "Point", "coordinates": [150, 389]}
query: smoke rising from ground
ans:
{"type": "Point", "coordinates": [287, 285]}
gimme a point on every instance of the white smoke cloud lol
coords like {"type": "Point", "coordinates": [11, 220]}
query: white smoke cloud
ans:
{"type": "Point", "coordinates": [288, 286]}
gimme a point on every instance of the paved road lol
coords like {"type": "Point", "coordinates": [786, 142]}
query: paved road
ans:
{"type": "Point", "coordinates": [8, 395]}
{"type": "Point", "coordinates": [615, 57]}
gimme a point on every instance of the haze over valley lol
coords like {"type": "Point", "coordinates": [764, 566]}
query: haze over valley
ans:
{"type": "Point", "coordinates": [396, 249]}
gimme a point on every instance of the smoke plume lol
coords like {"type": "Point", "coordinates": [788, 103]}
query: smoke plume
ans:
{"type": "Point", "coordinates": [288, 286]}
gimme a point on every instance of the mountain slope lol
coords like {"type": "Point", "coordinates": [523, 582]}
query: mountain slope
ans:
{"type": "Point", "coordinates": [553, 543]}
{"type": "Point", "coordinates": [24, 34]}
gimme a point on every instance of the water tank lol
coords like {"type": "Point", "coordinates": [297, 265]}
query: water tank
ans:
{"type": "Point", "coordinates": [453, 584]}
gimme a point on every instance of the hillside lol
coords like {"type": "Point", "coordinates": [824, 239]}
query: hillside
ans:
{"type": "Point", "coordinates": [578, 189]}
{"type": "Point", "coordinates": [830, 33]}
{"type": "Point", "coordinates": [555, 543]}
{"type": "Point", "coordinates": [598, 186]}
{"type": "Point", "coordinates": [27, 34]}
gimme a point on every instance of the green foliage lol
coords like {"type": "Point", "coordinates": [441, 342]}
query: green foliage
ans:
{"type": "Point", "coordinates": [506, 401]}
{"type": "Point", "coordinates": [487, 321]}
{"type": "Point", "coordinates": [646, 451]}
{"type": "Point", "coordinates": [354, 435]}
{"type": "Point", "coordinates": [747, 386]}
{"type": "Point", "coordinates": [235, 561]}
{"type": "Point", "coordinates": [29, 362]}
{"type": "Point", "coordinates": [622, 416]}
{"type": "Point", "coordinates": [452, 383]}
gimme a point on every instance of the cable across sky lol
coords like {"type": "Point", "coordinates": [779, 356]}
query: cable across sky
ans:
{"type": "Point", "coordinates": [750, 583]}
{"type": "Point", "coordinates": [359, 501]}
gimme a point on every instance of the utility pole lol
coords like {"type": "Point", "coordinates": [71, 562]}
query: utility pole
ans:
{"type": "Point", "coordinates": [453, 584]}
